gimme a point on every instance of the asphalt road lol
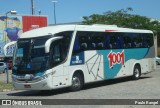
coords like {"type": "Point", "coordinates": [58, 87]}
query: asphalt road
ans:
{"type": "Point", "coordinates": [147, 87]}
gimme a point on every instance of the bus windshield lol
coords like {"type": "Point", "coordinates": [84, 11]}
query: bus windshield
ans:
{"type": "Point", "coordinates": [30, 56]}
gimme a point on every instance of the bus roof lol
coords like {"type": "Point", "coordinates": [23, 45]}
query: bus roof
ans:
{"type": "Point", "coordinates": [60, 28]}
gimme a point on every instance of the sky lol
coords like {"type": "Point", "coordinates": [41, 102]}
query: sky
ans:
{"type": "Point", "coordinates": [73, 10]}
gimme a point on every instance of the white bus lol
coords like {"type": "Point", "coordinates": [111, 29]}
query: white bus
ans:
{"type": "Point", "coordinates": [73, 55]}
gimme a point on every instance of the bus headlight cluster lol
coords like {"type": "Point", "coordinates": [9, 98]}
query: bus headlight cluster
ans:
{"type": "Point", "coordinates": [32, 79]}
{"type": "Point", "coordinates": [47, 75]}
{"type": "Point", "coordinates": [44, 76]}
{"type": "Point", "coordinates": [38, 78]}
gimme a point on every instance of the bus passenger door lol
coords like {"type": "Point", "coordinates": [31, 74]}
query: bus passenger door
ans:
{"type": "Point", "coordinates": [56, 63]}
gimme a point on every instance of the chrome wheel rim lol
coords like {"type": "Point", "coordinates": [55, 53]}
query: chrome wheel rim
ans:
{"type": "Point", "coordinates": [75, 82]}
{"type": "Point", "coordinates": [157, 63]}
{"type": "Point", "coordinates": [136, 73]}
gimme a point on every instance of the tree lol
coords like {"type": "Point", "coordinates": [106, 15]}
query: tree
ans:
{"type": "Point", "coordinates": [122, 18]}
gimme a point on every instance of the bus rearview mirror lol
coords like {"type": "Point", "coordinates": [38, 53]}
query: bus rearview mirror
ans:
{"type": "Point", "coordinates": [49, 42]}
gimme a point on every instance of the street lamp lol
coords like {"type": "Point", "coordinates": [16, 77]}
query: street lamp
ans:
{"type": "Point", "coordinates": [11, 12]}
{"type": "Point", "coordinates": [54, 3]}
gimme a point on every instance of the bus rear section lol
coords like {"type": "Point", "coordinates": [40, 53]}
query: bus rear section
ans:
{"type": "Point", "coordinates": [109, 55]}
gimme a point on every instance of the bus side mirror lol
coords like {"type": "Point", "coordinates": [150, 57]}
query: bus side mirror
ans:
{"type": "Point", "coordinates": [49, 42]}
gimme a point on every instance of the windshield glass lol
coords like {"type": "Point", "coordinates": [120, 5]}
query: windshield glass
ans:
{"type": "Point", "coordinates": [30, 56]}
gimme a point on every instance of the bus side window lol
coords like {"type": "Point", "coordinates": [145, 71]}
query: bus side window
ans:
{"type": "Point", "coordinates": [119, 41]}
{"type": "Point", "coordinates": [81, 42]}
{"type": "Point", "coordinates": [129, 45]}
{"type": "Point", "coordinates": [133, 38]}
{"type": "Point", "coordinates": [67, 36]}
{"type": "Point", "coordinates": [56, 53]}
{"type": "Point", "coordinates": [127, 40]}
{"type": "Point", "coordinates": [139, 40]}
{"type": "Point", "coordinates": [83, 46]}
{"type": "Point", "coordinates": [149, 40]}
{"type": "Point", "coordinates": [97, 40]}
{"type": "Point", "coordinates": [107, 41]}
{"type": "Point", "coordinates": [113, 42]}
{"type": "Point", "coordinates": [144, 43]}
{"type": "Point", "coordinates": [93, 42]}
{"type": "Point", "coordinates": [100, 43]}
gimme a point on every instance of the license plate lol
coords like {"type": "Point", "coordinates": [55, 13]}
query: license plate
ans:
{"type": "Point", "coordinates": [27, 86]}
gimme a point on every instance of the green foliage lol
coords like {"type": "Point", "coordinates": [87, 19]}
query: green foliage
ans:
{"type": "Point", "coordinates": [122, 18]}
{"type": "Point", "coordinates": [5, 86]}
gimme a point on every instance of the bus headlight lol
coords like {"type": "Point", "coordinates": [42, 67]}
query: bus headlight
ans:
{"type": "Point", "coordinates": [33, 79]}
{"type": "Point", "coordinates": [44, 76]}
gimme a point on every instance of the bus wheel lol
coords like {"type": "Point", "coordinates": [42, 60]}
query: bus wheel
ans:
{"type": "Point", "coordinates": [77, 82]}
{"type": "Point", "coordinates": [136, 72]}
{"type": "Point", "coordinates": [157, 63]}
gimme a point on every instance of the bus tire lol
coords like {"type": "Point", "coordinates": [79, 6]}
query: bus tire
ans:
{"type": "Point", "coordinates": [157, 63]}
{"type": "Point", "coordinates": [77, 82]}
{"type": "Point", "coordinates": [136, 72]}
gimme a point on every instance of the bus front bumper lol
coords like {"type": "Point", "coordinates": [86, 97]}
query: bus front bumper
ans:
{"type": "Point", "coordinates": [40, 85]}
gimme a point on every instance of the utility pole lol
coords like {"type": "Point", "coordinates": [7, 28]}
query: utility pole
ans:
{"type": "Point", "coordinates": [54, 4]}
{"type": "Point", "coordinates": [39, 12]}
{"type": "Point", "coordinates": [32, 6]}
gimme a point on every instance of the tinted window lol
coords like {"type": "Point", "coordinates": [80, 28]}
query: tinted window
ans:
{"type": "Point", "coordinates": [89, 41]}
{"type": "Point", "coordinates": [56, 53]}
{"type": "Point", "coordinates": [67, 36]}
{"type": "Point", "coordinates": [82, 41]}
{"type": "Point", "coordinates": [102, 40]}
{"type": "Point", "coordinates": [149, 40]}
{"type": "Point", "coordinates": [114, 40]}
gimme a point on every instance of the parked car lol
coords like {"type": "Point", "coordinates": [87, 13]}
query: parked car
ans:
{"type": "Point", "coordinates": [158, 60]}
{"type": "Point", "coordinates": [2, 67]}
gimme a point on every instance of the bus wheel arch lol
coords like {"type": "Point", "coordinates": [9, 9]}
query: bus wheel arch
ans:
{"type": "Point", "coordinates": [77, 81]}
{"type": "Point", "coordinates": [136, 71]}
